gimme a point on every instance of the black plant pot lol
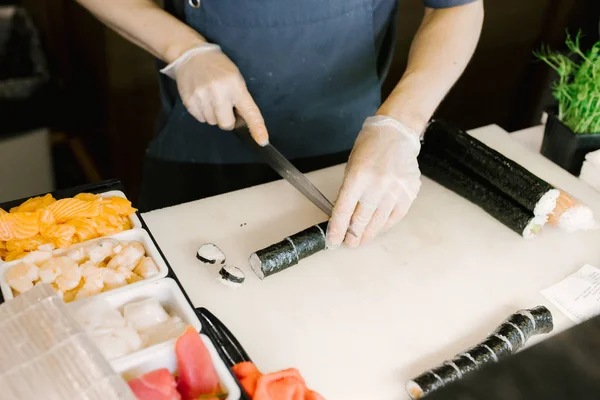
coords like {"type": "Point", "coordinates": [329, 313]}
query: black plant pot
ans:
{"type": "Point", "coordinates": [566, 148]}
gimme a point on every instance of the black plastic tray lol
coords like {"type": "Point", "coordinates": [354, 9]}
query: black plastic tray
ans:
{"type": "Point", "coordinates": [228, 347]}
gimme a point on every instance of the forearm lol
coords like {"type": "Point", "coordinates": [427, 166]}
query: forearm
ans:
{"type": "Point", "coordinates": [439, 53]}
{"type": "Point", "coordinates": [147, 25]}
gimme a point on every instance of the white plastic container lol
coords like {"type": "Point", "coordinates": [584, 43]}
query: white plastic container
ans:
{"type": "Point", "coordinates": [164, 290]}
{"type": "Point", "coordinates": [163, 356]}
{"type": "Point", "coordinates": [139, 235]}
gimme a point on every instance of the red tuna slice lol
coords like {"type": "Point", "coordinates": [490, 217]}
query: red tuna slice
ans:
{"type": "Point", "coordinates": [196, 374]}
{"type": "Point", "coordinates": [156, 385]}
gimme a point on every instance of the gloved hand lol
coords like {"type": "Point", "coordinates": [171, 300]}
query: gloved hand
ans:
{"type": "Point", "coordinates": [211, 86]}
{"type": "Point", "coordinates": [382, 180]}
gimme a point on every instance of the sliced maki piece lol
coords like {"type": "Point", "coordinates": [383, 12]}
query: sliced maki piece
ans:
{"type": "Point", "coordinates": [210, 254]}
{"type": "Point", "coordinates": [449, 173]}
{"type": "Point", "coordinates": [232, 275]}
{"type": "Point", "coordinates": [423, 384]}
{"type": "Point", "coordinates": [289, 251]}
{"type": "Point", "coordinates": [527, 189]}
{"type": "Point", "coordinates": [543, 319]}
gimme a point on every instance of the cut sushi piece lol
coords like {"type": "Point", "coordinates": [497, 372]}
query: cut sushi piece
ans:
{"type": "Point", "coordinates": [209, 253]}
{"type": "Point", "coordinates": [506, 340]}
{"type": "Point", "coordinates": [527, 189]}
{"type": "Point", "coordinates": [155, 385]}
{"type": "Point", "coordinates": [231, 275]}
{"type": "Point", "coordinates": [197, 374]}
{"type": "Point", "coordinates": [455, 177]}
{"type": "Point", "coordinates": [289, 251]}
{"type": "Point", "coordinates": [570, 215]}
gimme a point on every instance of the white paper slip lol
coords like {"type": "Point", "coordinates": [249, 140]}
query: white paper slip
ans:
{"type": "Point", "coordinates": [578, 295]}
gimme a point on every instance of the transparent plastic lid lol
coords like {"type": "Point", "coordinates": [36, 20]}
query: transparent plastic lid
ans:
{"type": "Point", "coordinates": [44, 354]}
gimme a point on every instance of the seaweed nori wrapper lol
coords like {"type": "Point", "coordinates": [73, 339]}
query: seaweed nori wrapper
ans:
{"type": "Point", "coordinates": [310, 241]}
{"type": "Point", "coordinates": [508, 176]}
{"type": "Point", "coordinates": [467, 184]}
{"type": "Point", "coordinates": [464, 364]}
{"type": "Point", "coordinates": [543, 319]}
{"type": "Point", "coordinates": [524, 323]}
{"type": "Point", "coordinates": [500, 348]}
{"type": "Point", "coordinates": [290, 251]}
{"type": "Point", "coordinates": [513, 335]}
{"type": "Point", "coordinates": [428, 383]}
{"type": "Point", "coordinates": [447, 372]}
{"type": "Point", "coordinates": [481, 355]}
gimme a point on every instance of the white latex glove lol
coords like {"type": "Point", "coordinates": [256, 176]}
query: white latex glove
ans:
{"type": "Point", "coordinates": [382, 180]}
{"type": "Point", "coordinates": [211, 87]}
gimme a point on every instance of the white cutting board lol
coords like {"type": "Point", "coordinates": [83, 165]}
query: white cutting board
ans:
{"type": "Point", "coordinates": [359, 323]}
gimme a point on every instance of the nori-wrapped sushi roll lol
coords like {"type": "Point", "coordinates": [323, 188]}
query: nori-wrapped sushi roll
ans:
{"type": "Point", "coordinates": [524, 323]}
{"type": "Point", "coordinates": [450, 174]}
{"type": "Point", "coordinates": [231, 275]}
{"type": "Point", "coordinates": [499, 345]}
{"type": "Point", "coordinates": [543, 319]}
{"type": "Point", "coordinates": [465, 364]}
{"type": "Point", "coordinates": [530, 191]}
{"type": "Point", "coordinates": [506, 340]}
{"type": "Point", "coordinates": [289, 251]}
{"type": "Point", "coordinates": [209, 253]}
{"type": "Point", "coordinates": [512, 334]}
{"type": "Point", "coordinates": [423, 384]}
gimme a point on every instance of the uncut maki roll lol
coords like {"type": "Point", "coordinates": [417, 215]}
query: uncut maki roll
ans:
{"type": "Point", "coordinates": [455, 177]}
{"type": "Point", "coordinates": [231, 275]}
{"type": "Point", "coordinates": [210, 254]}
{"type": "Point", "coordinates": [289, 251]}
{"type": "Point", "coordinates": [527, 189]}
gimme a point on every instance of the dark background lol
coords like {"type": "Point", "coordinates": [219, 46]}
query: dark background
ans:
{"type": "Point", "coordinates": [103, 100]}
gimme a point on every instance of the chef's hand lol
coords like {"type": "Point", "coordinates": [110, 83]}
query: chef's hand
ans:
{"type": "Point", "coordinates": [382, 180]}
{"type": "Point", "coordinates": [211, 87]}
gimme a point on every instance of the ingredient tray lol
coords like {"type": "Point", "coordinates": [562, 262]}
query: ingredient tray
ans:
{"type": "Point", "coordinates": [226, 345]}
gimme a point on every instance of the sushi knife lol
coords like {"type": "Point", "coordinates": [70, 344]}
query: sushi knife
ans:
{"type": "Point", "coordinates": [286, 170]}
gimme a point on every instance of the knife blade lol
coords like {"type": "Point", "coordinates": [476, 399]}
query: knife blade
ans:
{"type": "Point", "coordinates": [287, 171]}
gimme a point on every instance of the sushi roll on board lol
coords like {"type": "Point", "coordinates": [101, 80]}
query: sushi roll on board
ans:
{"type": "Point", "coordinates": [509, 337]}
{"type": "Point", "coordinates": [289, 251]}
{"type": "Point", "coordinates": [449, 173]}
{"type": "Point", "coordinates": [535, 194]}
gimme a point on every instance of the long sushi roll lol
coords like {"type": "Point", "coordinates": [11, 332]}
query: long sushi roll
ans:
{"type": "Point", "coordinates": [449, 173]}
{"type": "Point", "coordinates": [526, 188]}
{"type": "Point", "coordinates": [289, 251]}
{"type": "Point", "coordinates": [510, 336]}
{"type": "Point", "coordinates": [532, 192]}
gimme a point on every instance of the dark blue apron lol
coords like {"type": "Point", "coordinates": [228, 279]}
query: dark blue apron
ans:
{"type": "Point", "coordinates": [311, 66]}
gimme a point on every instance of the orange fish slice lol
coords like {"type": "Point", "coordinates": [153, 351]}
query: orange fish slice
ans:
{"type": "Point", "coordinates": [20, 225]}
{"type": "Point", "coordinates": [29, 244]}
{"type": "Point", "coordinates": [66, 209]}
{"type": "Point", "coordinates": [2, 212]}
{"type": "Point", "coordinates": [85, 228]}
{"type": "Point", "coordinates": [87, 197]}
{"type": "Point", "coordinates": [34, 204]}
{"type": "Point", "coordinates": [117, 206]}
{"type": "Point", "coordinates": [14, 255]}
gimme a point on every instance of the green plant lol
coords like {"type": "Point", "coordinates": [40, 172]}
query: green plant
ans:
{"type": "Point", "coordinates": [577, 89]}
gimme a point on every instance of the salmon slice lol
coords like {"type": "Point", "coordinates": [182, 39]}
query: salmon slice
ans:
{"type": "Point", "coordinates": [34, 204]}
{"type": "Point", "coordinates": [29, 244]}
{"type": "Point", "coordinates": [564, 202]}
{"type": "Point", "coordinates": [85, 228]}
{"type": "Point", "coordinates": [2, 211]}
{"type": "Point", "coordinates": [46, 221]}
{"type": "Point", "coordinates": [15, 255]}
{"type": "Point", "coordinates": [87, 197]}
{"type": "Point", "coordinates": [117, 206]}
{"type": "Point", "coordinates": [197, 374]}
{"type": "Point", "coordinates": [20, 225]}
{"type": "Point", "coordinates": [155, 385]}
{"type": "Point", "coordinates": [66, 209]}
